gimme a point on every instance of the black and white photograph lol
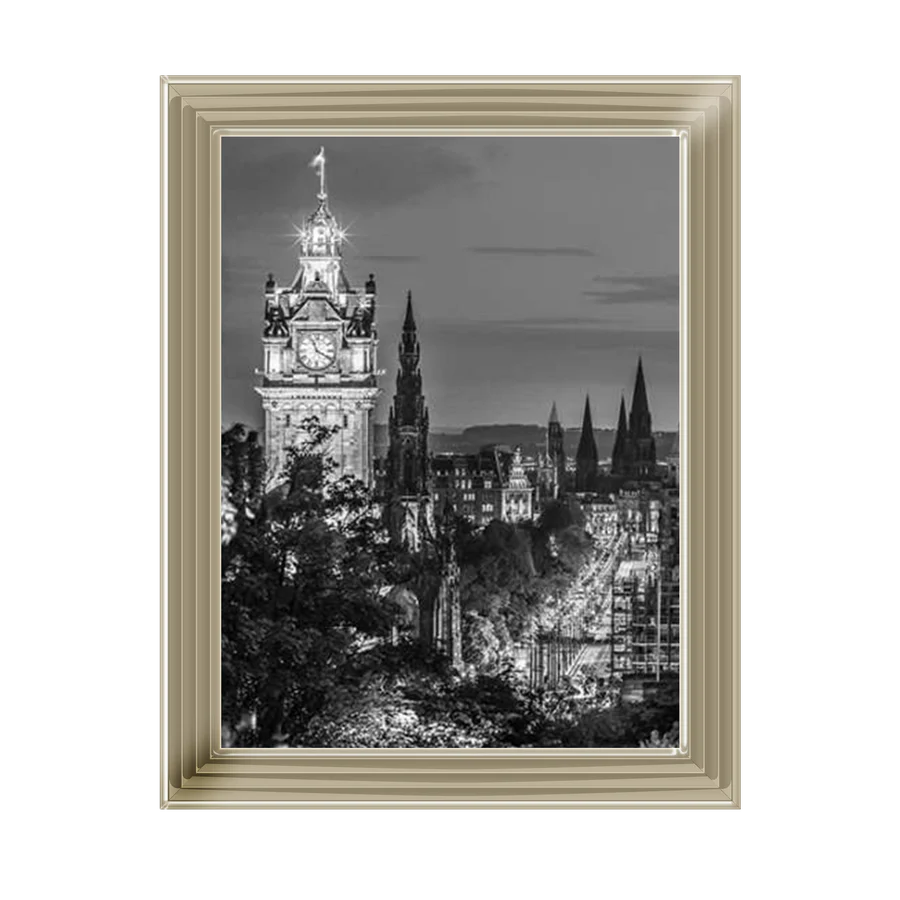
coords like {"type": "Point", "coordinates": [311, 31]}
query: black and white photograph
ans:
{"type": "Point", "coordinates": [450, 442]}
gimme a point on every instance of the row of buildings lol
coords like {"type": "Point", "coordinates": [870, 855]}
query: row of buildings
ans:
{"type": "Point", "coordinates": [497, 481]}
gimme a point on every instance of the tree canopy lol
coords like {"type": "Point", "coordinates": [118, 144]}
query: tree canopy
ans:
{"type": "Point", "coordinates": [315, 648]}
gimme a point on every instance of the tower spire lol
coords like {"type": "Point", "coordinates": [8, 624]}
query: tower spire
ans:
{"type": "Point", "coordinates": [409, 322]}
{"type": "Point", "coordinates": [409, 467]}
{"type": "Point", "coordinates": [587, 429]}
{"type": "Point", "coordinates": [556, 453]}
{"type": "Point", "coordinates": [620, 448]}
{"type": "Point", "coordinates": [641, 443]}
{"type": "Point", "coordinates": [586, 455]}
{"type": "Point", "coordinates": [409, 341]}
{"type": "Point", "coordinates": [640, 422]}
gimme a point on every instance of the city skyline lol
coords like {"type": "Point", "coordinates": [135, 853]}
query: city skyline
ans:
{"type": "Point", "coordinates": [542, 267]}
{"type": "Point", "coordinates": [433, 570]}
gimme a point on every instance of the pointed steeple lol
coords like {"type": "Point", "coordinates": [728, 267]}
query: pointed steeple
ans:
{"type": "Point", "coordinates": [641, 443]}
{"type": "Point", "coordinates": [640, 423]}
{"type": "Point", "coordinates": [620, 448]}
{"type": "Point", "coordinates": [587, 446]}
{"type": "Point", "coordinates": [556, 452]}
{"type": "Point", "coordinates": [409, 322]}
{"type": "Point", "coordinates": [586, 455]}
{"type": "Point", "coordinates": [409, 341]}
{"type": "Point", "coordinates": [408, 459]}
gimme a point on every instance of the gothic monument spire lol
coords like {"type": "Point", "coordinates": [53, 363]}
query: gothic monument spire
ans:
{"type": "Point", "coordinates": [408, 463]}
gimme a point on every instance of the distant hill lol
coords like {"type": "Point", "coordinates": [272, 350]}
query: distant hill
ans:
{"type": "Point", "coordinates": [531, 438]}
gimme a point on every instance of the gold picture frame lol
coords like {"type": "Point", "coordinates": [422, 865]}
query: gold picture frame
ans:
{"type": "Point", "coordinates": [196, 772]}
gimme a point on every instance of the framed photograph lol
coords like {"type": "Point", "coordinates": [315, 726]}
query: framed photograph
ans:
{"type": "Point", "coordinates": [450, 442]}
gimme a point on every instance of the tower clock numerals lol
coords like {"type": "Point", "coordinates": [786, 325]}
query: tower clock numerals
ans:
{"type": "Point", "coordinates": [316, 350]}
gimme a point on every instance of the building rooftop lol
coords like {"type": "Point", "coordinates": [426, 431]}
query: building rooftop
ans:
{"type": "Point", "coordinates": [632, 568]}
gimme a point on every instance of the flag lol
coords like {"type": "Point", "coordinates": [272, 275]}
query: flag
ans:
{"type": "Point", "coordinates": [318, 160]}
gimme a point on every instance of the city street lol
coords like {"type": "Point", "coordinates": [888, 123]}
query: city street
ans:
{"type": "Point", "coordinates": [593, 656]}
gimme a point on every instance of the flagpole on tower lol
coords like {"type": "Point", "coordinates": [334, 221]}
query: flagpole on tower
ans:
{"type": "Point", "coordinates": [318, 163]}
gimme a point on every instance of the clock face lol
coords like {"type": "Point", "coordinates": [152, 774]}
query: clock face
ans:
{"type": "Point", "coordinates": [316, 350]}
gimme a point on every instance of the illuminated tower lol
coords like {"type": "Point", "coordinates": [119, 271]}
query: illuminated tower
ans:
{"type": "Point", "coordinates": [319, 347]}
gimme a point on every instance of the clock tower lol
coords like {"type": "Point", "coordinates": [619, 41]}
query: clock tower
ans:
{"type": "Point", "coordinates": [319, 350]}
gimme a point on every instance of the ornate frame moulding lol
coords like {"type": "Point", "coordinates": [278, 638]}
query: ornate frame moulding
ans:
{"type": "Point", "coordinates": [196, 772]}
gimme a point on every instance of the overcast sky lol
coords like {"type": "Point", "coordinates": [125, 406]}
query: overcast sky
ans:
{"type": "Point", "coordinates": [540, 267]}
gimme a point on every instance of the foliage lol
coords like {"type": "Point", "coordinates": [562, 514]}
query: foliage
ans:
{"type": "Point", "coordinates": [484, 640]}
{"type": "Point", "coordinates": [512, 576]}
{"type": "Point", "coordinates": [301, 592]}
{"type": "Point", "coordinates": [313, 645]}
{"type": "Point", "coordinates": [669, 739]}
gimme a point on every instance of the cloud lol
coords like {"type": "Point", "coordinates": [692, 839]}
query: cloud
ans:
{"type": "Point", "coordinates": [532, 251]}
{"type": "Point", "coordinates": [384, 257]}
{"type": "Point", "coordinates": [554, 322]}
{"type": "Point", "coordinates": [271, 174]}
{"type": "Point", "coordinates": [631, 289]}
{"type": "Point", "coordinates": [573, 325]}
{"type": "Point", "coordinates": [494, 151]}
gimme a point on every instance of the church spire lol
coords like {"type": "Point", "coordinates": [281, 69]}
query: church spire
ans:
{"type": "Point", "coordinates": [556, 452]}
{"type": "Point", "coordinates": [640, 423]}
{"type": "Point", "coordinates": [641, 443]}
{"type": "Point", "coordinates": [620, 448]}
{"type": "Point", "coordinates": [586, 455]}
{"type": "Point", "coordinates": [587, 446]}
